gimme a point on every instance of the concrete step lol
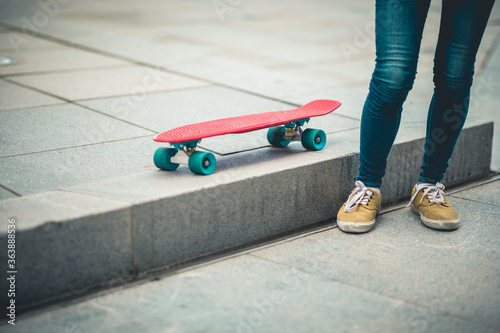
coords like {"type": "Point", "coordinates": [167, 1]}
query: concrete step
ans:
{"type": "Point", "coordinates": [98, 234]}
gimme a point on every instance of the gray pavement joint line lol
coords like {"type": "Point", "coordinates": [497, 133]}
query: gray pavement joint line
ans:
{"type": "Point", "coordinates": [305, 65]}
{"type": "Point", "coordinates": [208, 149]}
{"type": "Point", "coordinates": [77, 104]}
{"type": "Point", "coordinates": [145, 64]}
{"type": "Point", "coordinates": [37, 90]}
{"type": "Point", "coordinates": [236, 152]}
{"type": "Point", "coordinates": [37, 106]}
{"type": "Point", "coordinates": [345, 129]}
{"type": "Point", "coordinates": [62, 71]}
{"type": "Point", "coordinates": [347, 117]}
{"type": "Point", "coordinates": [68, 190]}
{"type": "Point", "coordinates": [476, 201]}
{"type": "Point", "coordinates": [146, 94]}
{"type": "Point", "coordinates": [409, 302]}
{"type": "Point", "coordinates": [489, 54]}
{"type": "Point", "coordinates": [11, 191]}
{"type": "Point", "coordinates": [79, 146]}
{"type": "Point", "coordinates": [113, 117]}
{"type": "Point", "coordinates": [493, 178]}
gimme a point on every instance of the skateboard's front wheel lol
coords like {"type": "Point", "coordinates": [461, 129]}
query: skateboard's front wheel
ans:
{"type": "Point", "coordinates": [275, 137]}
{"type": "Point", "coordinates": [162, 159]}
{"type": "Point", "coordinates": [202, 163]}
{"type": "Point", "coordinates": [313, 139]}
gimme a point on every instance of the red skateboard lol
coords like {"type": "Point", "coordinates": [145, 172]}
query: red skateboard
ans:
{"type": "Point", "coordinates": [184, 139]}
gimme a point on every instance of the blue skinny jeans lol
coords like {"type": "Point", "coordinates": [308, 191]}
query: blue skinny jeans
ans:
{"type": "Point", "coordinates": [398, 32]}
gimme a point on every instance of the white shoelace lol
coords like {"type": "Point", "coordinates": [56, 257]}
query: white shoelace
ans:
{"type": "Point", "coordinates": [434, 193]}
{"type": "Point", "coordinates": [361, 195]}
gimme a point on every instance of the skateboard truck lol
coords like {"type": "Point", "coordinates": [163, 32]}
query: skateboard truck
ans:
{"type": "Point", "coordinates": [201, 163]}
{"type": "Point", "coordinates": [311, 139]}
{"type": "Point", "coordinates": [293, 130]}
{"type": "Point", "coordinates": [186, 148]}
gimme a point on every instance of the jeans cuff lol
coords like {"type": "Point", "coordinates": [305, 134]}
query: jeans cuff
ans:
{"type": "Point", "coordinates": [371, 183]}
{"type": "Point", "coordinates": [428, 180]}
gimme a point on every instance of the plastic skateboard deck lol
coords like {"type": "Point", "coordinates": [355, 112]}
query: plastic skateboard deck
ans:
{"type": "Point", "coordinates": [246, 123]}
{"type": "Point", "coordinates": [185, 138]}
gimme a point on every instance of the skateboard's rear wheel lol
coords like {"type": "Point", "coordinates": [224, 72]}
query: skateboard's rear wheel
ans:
{"type": "Point", "coordinates": [313, 139]}
{"type": "Point", "coordinates": [162, 159]}
{"type": "Point", "coordinates": [202, 163]}
{"type": "Point", "coordinates": [275, 137]}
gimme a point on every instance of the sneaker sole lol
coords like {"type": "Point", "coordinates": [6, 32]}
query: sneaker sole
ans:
{"type": "Point", "coordinates": [355, 227]}
{"type": "Point", "coordinates": [437, 224]}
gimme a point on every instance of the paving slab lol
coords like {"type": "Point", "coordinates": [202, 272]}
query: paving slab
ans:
{"type": "Point", "coordinates": [106, 82]}
{"type": "Point", "coordinates": [232, 295]}
{"type": "Point", "coordinates": [17, 97]}
{"type": "Point", "coordinates": [450, 272]}
{"type": "Point", "coordinates": [487, 194]}
{"type": "Point", "coordinates": [75, 241]}
{"type": "Point", "coordinates": [275, 49]}
{"type": "Point", "coordinates": [51, 170]}
{"type": "Point", "coordinates": [39, 129]}
{"type": "Point", "coordinates": [58, 58]}
{"type": "Point", "coordinates": [163, 111]}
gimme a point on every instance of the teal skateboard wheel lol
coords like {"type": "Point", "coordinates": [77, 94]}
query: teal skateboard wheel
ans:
{"type": "Point", "coordinates": [162, 159]}
{"type": "Point", "coordinates": [202, 163]}
{"type": "Point", "coordinates": [275, 137]}
{"type": "Point", "coordinates": [313, 139]}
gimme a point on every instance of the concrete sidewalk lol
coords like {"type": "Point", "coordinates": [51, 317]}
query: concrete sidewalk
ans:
{"type": "Point", "coordinates": [401, 277]}
{"type": "Point", "coordinates": [95, 81]}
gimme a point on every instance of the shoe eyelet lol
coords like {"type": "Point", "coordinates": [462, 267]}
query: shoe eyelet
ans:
{"type": "Point", "coordinates": [429, 201]}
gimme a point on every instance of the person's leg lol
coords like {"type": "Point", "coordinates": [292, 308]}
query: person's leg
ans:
{"type": "Point", "coordinates": [398, 32]}
{"type": "Point", "coordinates": [462, 26]}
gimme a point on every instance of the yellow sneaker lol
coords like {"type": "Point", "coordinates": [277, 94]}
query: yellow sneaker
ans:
{"type": "Point", "coordinates": [358, 213]}
{"type": "Point", "coordinates": [435, 211]}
